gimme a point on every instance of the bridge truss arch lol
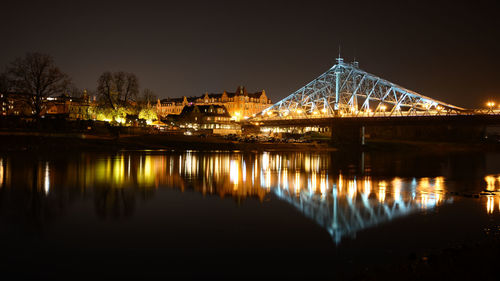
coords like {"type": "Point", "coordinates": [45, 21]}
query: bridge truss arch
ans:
{"type": "Point", "coordinates": [346, 90]}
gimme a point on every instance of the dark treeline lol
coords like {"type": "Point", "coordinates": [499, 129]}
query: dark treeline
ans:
{"type": "Point", "coordinates": [35, 78]}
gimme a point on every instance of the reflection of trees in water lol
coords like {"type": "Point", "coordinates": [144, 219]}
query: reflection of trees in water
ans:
{"type": "Point", "coordinates": [37, 191]}
{"type": "Point", "coordinates": [25, 203]}
{"type": "Point", "coordinates": [114, 202]}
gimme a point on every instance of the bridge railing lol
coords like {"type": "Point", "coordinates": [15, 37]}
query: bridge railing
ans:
{"type": "Point", "coordinates": [379, 114]}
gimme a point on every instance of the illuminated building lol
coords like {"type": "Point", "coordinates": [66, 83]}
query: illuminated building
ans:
{"type": "Point", "coordinates": [75, 108]}
{"type": "Point", "coordinates": [239, 104]}
{"type": "Point", "coordinates": [14, 104]}
{"type": "Point", "coordinates": [18, 104]}
{"type": "Point", "coordinates": [172, 106]}
{"type": "Point", "coordinates": [207, 117]}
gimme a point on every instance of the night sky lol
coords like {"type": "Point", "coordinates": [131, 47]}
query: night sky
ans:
{"type": "Point", "coordinates": [448, 51]}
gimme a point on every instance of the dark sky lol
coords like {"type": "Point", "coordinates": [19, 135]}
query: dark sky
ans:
{"type": "Point", "coordinates": [446, 50]}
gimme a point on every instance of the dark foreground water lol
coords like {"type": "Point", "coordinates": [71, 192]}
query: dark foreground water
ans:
{"type": "Point", "coordinates": [231, 215]}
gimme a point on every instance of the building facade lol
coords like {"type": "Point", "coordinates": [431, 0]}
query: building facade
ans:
{"type": "Point", "coordinates": [207, 117]}
{"type": "Point", "coordinates": [239, 104]}
{"type": "Point", "coordinates": [18, 104]}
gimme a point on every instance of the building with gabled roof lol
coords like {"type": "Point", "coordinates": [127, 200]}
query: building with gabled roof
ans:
{"type": "Point", "coordinates": [207, 117]}
{"type": "Point", "coordinates": [239, 104]}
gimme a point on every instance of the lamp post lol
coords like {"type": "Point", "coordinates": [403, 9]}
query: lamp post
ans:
{"type": "Point", "coordinates": [490, 105]}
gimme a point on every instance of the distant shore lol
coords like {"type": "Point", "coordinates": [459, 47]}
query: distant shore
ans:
{"type": "Point", "coordinates": [24, 141]}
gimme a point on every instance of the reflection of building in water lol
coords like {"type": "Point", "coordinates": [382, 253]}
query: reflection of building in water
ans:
{"type": "Point", "coordinates": [339, 202]}
{"type": "Point", "coordinates": [1, 173]}
{"type": "Point", "coordinates": [492, 192]}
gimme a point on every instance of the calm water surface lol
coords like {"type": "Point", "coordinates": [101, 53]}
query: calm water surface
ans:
{"type": "Point", "coordinates": [213, 215]}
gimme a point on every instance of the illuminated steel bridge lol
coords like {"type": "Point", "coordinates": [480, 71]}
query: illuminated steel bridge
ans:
{"type": "Point", "coordinates": [347, 91]}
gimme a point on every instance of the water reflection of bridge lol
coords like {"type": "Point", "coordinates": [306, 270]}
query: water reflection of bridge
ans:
{"type": "Point", "coordinates": [341, 201]}
{"type": "Point", "coordinates": [345, 210]}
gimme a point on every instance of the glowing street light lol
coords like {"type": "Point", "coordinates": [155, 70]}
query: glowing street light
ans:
{"type": "Point", "coordinates": [383, 108]}
{"type": "Point", "coordinates": [490, 104]}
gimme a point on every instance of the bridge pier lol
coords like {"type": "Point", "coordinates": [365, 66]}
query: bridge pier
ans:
{"type": "Point", "coordinates": [347, 134]}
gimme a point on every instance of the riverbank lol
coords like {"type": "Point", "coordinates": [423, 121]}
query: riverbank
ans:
{"type": "Point", "coordinates": [70, 142]}
{"type": "Point", "coordinates": [39, 141]}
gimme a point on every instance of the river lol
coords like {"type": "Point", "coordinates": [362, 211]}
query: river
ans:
{"type": "Point", "coordinates": [236, 215]}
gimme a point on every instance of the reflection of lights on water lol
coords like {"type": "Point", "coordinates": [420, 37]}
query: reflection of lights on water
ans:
{"type": "Point", "coordinates": [381, 190]}
{"type": "Point", "coordinates": [490, 204]}
{"type": "Point", "coordinates": [323, 185]}
{"type": "Point", "coordinates": [128, 167]}
{"type": "Point", "coordinates": [438, 183]}
{"type": "Point", "coordinates": [424, 200]}
{"type": "Point", "coordinates": [297, 182]}
{"type": "Point", "coordinates": [234, 173]}
{"type": "Point", "coordinates": [424, 182]}
{"type": "Point", "coordinates": [367, 186]}
{"type": "Point", "coordinates": [312, 183]}
{"type": "Point", "coordinates": [171, 166]}
{"type": "Point", "coordinates": [265, 161]}
{"type": "Point", "coordinates": [46, 178]}
{"type": "Point", "coordinates": [226, 174]}
{"type": "Point", "coordinates": [268, 180]}
{"type": "Point", "coordinates": [244, 171]}
{"type": "Point", "coordinates": [285, 178]}
{"type": "Point", "coordinates": [351, 188]}
{"type": "Point", "coordinates": [118, 170]}
{"type": "Point", "coordinates": [396, 185]}
{"type": "Point", "coordinates": [1, 172]}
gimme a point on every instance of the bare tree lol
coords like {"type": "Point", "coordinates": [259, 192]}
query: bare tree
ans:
{"type": "Point", "coordinates": [4, 83]}
{"type": "Point", "coordinates": [37, 76]}
{"type": "Point", "coordinates": [131, 88]}
{"type": "Point", "coordinates": [148, 96]}
{"type": "Point", "coordinates": [106, 90]}
{"type": "Point", "coordinates": [117, 88]}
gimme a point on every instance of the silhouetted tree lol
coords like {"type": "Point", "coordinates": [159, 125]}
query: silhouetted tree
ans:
{"type": "Point", "coordinates": [116, 89]}
{"type": "Point", "coordinates": [4, 83]}
{"type": "Point", "coordinates": [37, 76]}
{"type": "Point", "coordinates": [148, 96]}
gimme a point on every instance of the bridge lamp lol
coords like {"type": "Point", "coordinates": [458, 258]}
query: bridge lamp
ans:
{"type": "Point", "coordinates": [490, 104]}
{"type": "Point", "coordinates": [439, 107]}
{"type": "Point", "coordinates": [323, 110]}
{"type": "Point", "coordinates": [269, 113]}
{"type": "Point", "coordinates": [299, 111]}
{"type": "Point", "coordinates": [315, 112]}
{"type": "Point", "coordinates": [383, 108]}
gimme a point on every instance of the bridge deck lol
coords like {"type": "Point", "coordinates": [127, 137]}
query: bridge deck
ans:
{"type": "Point", "coordinates": [475, 119]}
